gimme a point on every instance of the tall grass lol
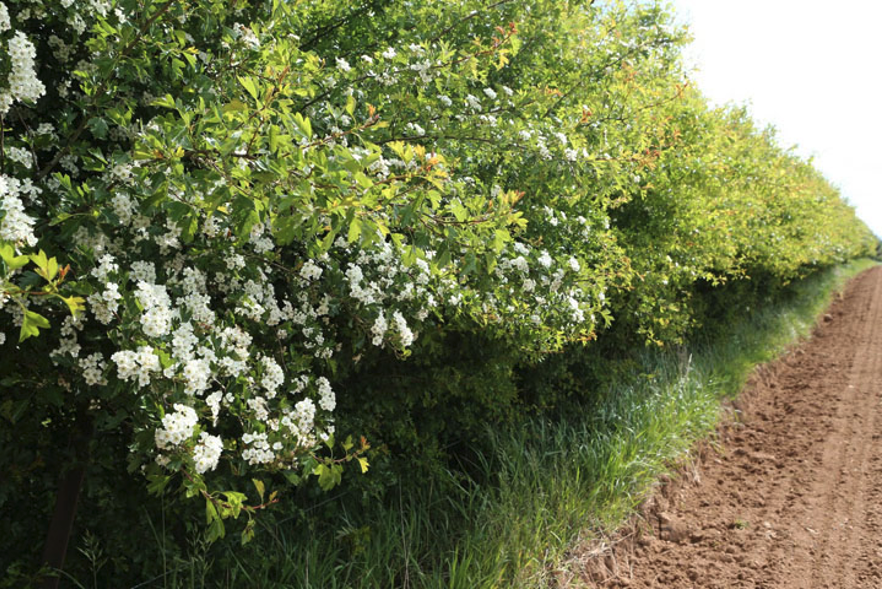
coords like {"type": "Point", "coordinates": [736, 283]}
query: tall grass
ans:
{"type": "Point", "coordinates": [541, 489]}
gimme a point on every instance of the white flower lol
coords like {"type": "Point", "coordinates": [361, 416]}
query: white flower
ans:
{"type": "Point", "coordinates": [123, 207]}
{"type": "Point", "coordinates": [247, 36]}
{"type": "Point", "coordinates": [5, 23]}
{"type": "Point", "coordinates": [343, 65]}
{"type": "Point", "coordinates": [157, 317]}
{"type": "Point", "coordinates": [327, 399]}
{"type": "Point", "coordinates": [403, 330]}
{"type": "Point", "coordinates": [424, 70]}
{"type": "Point", "coordinates": [310, 271]}
{"type": "Point", "coordinates": [213, 402]}
{"type": "Point", "coordinates": [131, 365]}
{"type": "Point", "coordinates": [545, 259]}
{"type": "Point", "coordinates": [207, 452]}
{"type": "Point", "coordinates": [235, 262]}
{"type": "Point", "coordinates": [105, 304]}
{"type": "Point", "coordinates": [305, 413]}
{"type": "Point", "coordinates": [20, 155]}
{"type": "Point", "coordinates": [415, 129]}
{"type": "Point", "coordinates": [259, 451]}
{"type": "Point", "coordinates": [145, 271]}
{"type": "Point", "coordinates": [177, 427]}
{"type": "Point", "coordinates": [389, 53]}
{"type": "Point", "coordinates": [23, 82]}
{"type": "Point", "coordinates": [490, 92]}
{"type": "Point", "coordinates": [379, 330]}
{"type": "Point", "coordinates": [196, 375]}
{"type": "Point", "coordinates": [93, 369]}
{"type": "Point", "coordinates": [520, 264]}
{"type": "Point", "coordinates": [183, 342]}
{"type": "Point", "coordinates": [273, 376]}
{"type": "Point", "coordinates": [15, 226]}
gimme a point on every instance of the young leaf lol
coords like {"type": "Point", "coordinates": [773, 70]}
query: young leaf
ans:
{"type": "Point", "coordinates": [76, 304]}
{"type": "Point", "coordinates": [363, 462]}
{"type": "Point", "coordinates": [31, 325]}
{"type": "Point", "coordinates": [261, 489]}
{"type": "Point", "coordinates": [250, 85]}
{"type": "Point", "coordinates": [13, 262]}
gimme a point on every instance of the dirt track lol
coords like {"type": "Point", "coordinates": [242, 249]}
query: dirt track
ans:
{"type": "Point", "coordinates": [794, 499]}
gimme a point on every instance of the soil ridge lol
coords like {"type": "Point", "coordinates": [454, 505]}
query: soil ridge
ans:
{"type": "Point", "coordinates": [794, 497]}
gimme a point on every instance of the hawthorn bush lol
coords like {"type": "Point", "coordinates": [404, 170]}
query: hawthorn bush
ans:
{"type": "Point", "coordinates": [229, 228]}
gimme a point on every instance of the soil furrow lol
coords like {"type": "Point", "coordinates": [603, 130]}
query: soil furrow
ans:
{"type": "Point", "coordinates": [794, 499]}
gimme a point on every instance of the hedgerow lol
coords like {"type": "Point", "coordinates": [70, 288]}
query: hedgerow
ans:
{"type": "Point", "coordinates": [225, 222]}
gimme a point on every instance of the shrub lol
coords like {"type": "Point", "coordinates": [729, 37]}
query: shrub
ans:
{"type": "Point", "coordinates": [219, 216]}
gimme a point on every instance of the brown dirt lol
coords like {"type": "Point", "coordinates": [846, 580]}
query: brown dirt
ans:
{"type": "Point", "coordinates": [793, 496]}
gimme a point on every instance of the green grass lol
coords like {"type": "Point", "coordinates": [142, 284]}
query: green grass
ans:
{"type": "Point", "coordinates": [543, 487]}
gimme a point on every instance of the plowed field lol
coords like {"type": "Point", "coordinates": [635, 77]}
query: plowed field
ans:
{"type": "Point", "coordinates": [793, 498]}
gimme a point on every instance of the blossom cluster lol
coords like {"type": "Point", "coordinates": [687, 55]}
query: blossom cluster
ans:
{"type": "Point", "coordinates": [23, 84]}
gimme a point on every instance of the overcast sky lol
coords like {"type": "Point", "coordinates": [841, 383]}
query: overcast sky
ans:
{"type": "Point", "coordinates": [810, 68]}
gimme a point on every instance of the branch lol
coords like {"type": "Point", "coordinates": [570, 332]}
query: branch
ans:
{"type": "Point", "coordinates": [99, 93]}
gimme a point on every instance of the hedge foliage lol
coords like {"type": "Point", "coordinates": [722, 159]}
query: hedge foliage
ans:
{"type": "Point", "coordinates": [229, 228]}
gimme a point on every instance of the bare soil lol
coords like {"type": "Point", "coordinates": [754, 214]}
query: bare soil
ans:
{"type": "Point", "coordinates": [792, 497]}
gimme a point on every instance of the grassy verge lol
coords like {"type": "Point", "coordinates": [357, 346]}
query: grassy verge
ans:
{"type": "Point", "coordinates": [544, 486]}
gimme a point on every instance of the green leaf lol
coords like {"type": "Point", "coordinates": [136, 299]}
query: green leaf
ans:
{"type": "Point", "coordinates": [329, 476]}
{"type": "Point", "coordinates": [98, 127]}
{"type": "Point", "coordinates": [13, 262]}
{"type": "Point", "coordinates": [40, 260]}
{"type": "Point", "coordinates": [31, 325]}
{"type": "Point", "coordinates": [46, 267]}
{"type": "Point", "coordinates": [210, 512]}
{"type": "Point", "coordinates": [363, 463]}
{"type": "Point", "coordinates": [167, 101]}
{"type": "Point", "coordinates": [76, 304]}
{"type": "Point", "coordinates": [459, 211]}
{"type": "Point", "coordinates": [328, 240]}
{"type": "Point", "coordinates": [157, 483]}
{"type": "Point", "coordinates": [500, 239]}
{"type": "Point", "coordinates": [250, 85]}
{"type": "Point", "coordinates": [274, 138]}
{"type": "Point", "coordinates": [248, 532]}
{"type": "Point", "coordinates": [216, 530]}
{"type": "Point", "coordinates": [52, 268]}
{"type": "Point", "coordinates": [354, 230]}
{"type": "Point", "coordinates": [304, 125]}
{"type": "Point", "coordinates": [235, 105]}
{"type": "Point", "coordinates": [261, 489]}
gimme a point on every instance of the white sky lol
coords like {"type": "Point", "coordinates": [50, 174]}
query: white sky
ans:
{"type": "Point", "coordinates": [808, 67]}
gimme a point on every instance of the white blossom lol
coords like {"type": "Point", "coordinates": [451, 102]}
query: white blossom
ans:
{"type": "Point", "coordinates": [5, 23]}
{"type": "Point", "coordinates": [15, 226]}
{"type": "Point", "coordinates": [23, 82]}
{"type": "Point", "coordinates": [207, 452]}
{"type": "Point", "coordinates": [177, 427]}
